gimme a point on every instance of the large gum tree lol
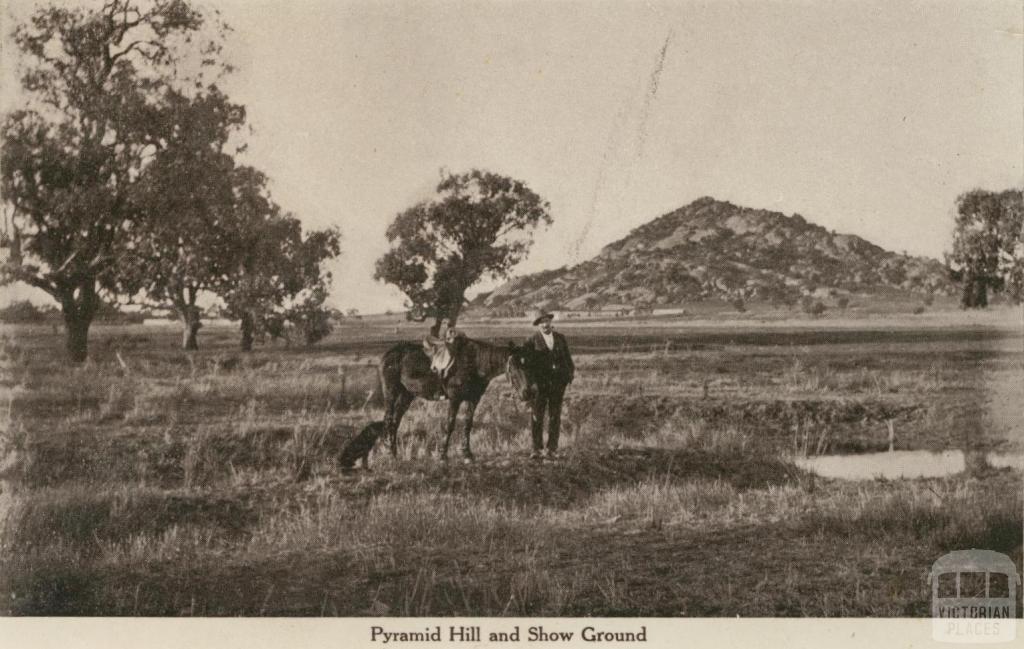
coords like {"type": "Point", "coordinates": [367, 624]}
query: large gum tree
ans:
{"type": "Point", "coordinates": [95, 83]}
{"type": "Point", "coordinates": [988, 246]}
{"type": "Point", "coordinates": [480, 224]}
{"type": "Point", "coordinates": [185, 245]}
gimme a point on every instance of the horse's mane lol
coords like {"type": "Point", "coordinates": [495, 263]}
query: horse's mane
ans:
{"type": "Point", "coordinates": [490, 359]}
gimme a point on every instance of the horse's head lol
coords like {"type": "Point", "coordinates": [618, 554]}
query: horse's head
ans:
{"type": "Point", "coordinates": [518, 372]}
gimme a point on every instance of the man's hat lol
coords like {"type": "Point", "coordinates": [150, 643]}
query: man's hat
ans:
{"type": "Point", "coordinates": [542, 315]}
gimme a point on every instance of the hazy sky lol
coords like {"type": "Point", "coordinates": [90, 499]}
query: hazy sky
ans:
{"type": "Point", "coordinates": [865, 117]}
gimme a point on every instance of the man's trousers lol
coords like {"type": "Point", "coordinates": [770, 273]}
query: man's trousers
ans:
{"type": "Point", "coordinates": [548, 400]}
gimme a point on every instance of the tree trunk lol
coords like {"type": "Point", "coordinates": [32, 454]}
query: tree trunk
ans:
{"type": "Point", "coordinates": [184, 301]}
{"type": "Point", "coordinates": [248, 332]}
{"type": "Point", "coordinates": [980, 294]}
{"type": "Point", "coordinates": [453, 313]}
{"type": "Point", "coordinates": [975, 293]}
{"type": "Point", "coordinates": [78, 314]}
{"type": "Point", "coordinates": [77, 337]}
{"type": "Point", "coordinates": [191, 323]}
{"type": "Point", "coordinates": [448, 312]}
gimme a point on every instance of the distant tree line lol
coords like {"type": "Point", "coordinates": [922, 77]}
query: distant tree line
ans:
{"type": "Point", "coordinates": [122, 182]}
{"type": "Point", "coordinates": [25, 312]}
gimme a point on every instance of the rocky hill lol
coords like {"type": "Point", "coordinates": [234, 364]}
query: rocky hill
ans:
{"type": "Point", "coordinates": [711, 249]}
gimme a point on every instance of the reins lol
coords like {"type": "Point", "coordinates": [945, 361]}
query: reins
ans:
{"type": "Point", "coordinates": [513, 377]}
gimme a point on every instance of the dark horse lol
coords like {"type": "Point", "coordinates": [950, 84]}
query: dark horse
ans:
{"type": "Point", "coordinates": [405, 374]}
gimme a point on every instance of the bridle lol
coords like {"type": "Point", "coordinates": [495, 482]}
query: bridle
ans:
{"type": "Point", "coordinates": [513, 377]}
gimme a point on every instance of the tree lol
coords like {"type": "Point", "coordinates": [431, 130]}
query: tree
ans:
{"type": "Point", "coordinates": [22, 312]}
{"type": "Point", "coordinates": [480, 224]}
{"type": "Point", "coordinates": [278, 273]}
{"type": "Point", "coordinates": [224, 234]}
{"type": "Point", "coordinates": [95, 79]}
{"type": "Point", "coordinates": [310, 317]}
{"type": "Point", "coordinates": [812, 307]}
{"type": "Point", "coordinates": [988, 246]}
{"type": "Point", "coordinates": [1011, 252]}
{"type": "Point", "coordinates": [186, 245]}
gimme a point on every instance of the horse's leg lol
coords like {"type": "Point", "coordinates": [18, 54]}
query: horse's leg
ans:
{"type": "Point", "coordinates": [449, 426]}
{"type": "Point", "coordinates": [393, 419]}
{"type": "Point", "coordinates": [470, 409]}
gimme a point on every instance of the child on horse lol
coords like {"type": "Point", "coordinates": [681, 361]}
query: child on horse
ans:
{"type": "Point", "coordinates": [438, 348]}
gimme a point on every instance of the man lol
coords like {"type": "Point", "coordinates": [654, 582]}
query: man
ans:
{"type": "Point", "coordinates": [554, 370]}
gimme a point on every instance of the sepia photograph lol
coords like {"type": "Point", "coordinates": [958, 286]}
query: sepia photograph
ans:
{"type": "Point", "coordinates": [561, 317]}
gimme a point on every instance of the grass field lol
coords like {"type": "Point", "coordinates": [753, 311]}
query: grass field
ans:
{"type": "Point", "coordinates": [154, 482]}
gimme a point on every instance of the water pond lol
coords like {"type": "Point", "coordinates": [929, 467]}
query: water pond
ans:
{"type": "Point", "coordinates": [893, 465]}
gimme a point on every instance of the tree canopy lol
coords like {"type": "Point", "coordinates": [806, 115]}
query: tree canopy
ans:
{"type": "Point", "coordinates": [276, 273]}
{"type": "Point", "coordinates": [480, 224]}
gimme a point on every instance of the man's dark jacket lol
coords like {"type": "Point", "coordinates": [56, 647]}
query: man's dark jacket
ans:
{"type": "Point", "coordinates": [553, 366]}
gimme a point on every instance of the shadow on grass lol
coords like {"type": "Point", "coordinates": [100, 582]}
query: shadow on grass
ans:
{"type": "Point", "coordinates": [563, 483]}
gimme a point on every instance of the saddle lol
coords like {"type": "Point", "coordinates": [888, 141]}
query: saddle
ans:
{"type": "Point", "coordinates": [441, 358]}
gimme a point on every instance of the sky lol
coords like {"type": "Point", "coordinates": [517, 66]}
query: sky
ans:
{"type": "Point", "coordinates": [865, 117]}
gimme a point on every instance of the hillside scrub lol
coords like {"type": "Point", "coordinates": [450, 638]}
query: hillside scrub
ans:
{"type": "Point", "coordinates": [714, 250]}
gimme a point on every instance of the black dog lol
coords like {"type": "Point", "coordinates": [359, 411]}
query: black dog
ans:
{"type": "Point", "coordinates": [360, 446]}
